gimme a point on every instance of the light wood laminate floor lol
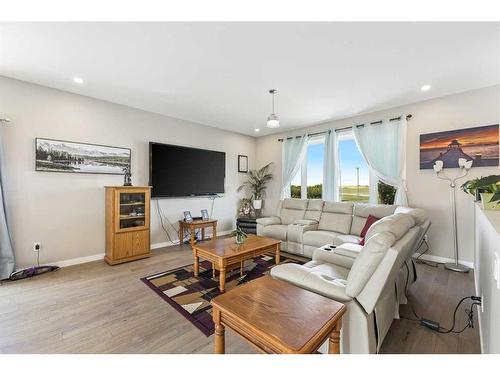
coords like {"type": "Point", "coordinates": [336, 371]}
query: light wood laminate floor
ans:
{"type": "Point", "coordinates": [95, 308]}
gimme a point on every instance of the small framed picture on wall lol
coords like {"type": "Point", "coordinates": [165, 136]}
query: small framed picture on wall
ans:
{"type": "Point", "coordinates": [242, 163]}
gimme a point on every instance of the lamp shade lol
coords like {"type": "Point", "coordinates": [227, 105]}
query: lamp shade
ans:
{"type": "Point", "coordinates": [273, 121]}
{"type": "Point", "coordinates": [438, 166]}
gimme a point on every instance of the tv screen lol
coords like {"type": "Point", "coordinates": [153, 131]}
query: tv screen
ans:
{"type": "Point", "coordinates": [176, 171]}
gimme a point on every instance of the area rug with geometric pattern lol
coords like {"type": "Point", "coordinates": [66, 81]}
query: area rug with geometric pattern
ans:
{"type": "Point", "coordinates": [191, 295]}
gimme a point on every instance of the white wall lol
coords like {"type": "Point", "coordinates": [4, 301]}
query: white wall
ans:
{"type": "Point", "coordinates": [468, 109]}
{"type": "Point", "coordinates": [66, 211]}
{"type": "Point", "coordinates": [487, 247]}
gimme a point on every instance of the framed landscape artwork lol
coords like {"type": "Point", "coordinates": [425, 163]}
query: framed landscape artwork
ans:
{"type": "Point", "coordinates": [64, 156]}
{"type": "Point", "coordinates": [478, 144]}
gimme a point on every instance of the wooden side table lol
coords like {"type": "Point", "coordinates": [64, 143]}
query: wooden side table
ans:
{"type": "Point", "coordinates": [278, 317]}
{"type": "Point", "coordinates": [192, 226]}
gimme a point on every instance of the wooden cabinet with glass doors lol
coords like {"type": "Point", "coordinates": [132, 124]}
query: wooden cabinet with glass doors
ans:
{"type": "Point", "coordinates": [127, 223]}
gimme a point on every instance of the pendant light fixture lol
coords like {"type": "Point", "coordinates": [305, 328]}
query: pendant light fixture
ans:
{"type": "Point", "coordinates": [273, 120]}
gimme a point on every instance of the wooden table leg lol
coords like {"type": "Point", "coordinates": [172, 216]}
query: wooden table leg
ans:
{"type": "Point", "coordinates": [334, 340]}
{"type": "Point", "coordinates": [181, 234]}
{"type": "Point", "coordinates": [222, 278]}
{"type": "Point", "coordinates": [195, 264]}
{"type": "Point", "coordinates": [213, 270]}
{"type": "Point", "coordinates": [277, 253]}
{"type": "Point", "coordinates": [192, 236]}
{"type": "Point", "coordinates": [220, 340]}
{"type": "Point", "coordinates": [214, 229]}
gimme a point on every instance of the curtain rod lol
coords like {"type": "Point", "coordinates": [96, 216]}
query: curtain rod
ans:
{"type": "Point", "coordinates": [345, 128]}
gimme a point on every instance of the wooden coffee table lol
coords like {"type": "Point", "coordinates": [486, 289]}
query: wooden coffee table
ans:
{"type": "Point", "coordinates": [278, 317]}
{"type": "Point", "coordinates": [224, 253]}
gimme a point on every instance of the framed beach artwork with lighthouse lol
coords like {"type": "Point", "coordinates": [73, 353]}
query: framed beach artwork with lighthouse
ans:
{"type": "Point", "coordinates": [479, 144]}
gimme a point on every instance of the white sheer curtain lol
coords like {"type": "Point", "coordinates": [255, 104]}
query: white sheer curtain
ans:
{"type": "Point", "coordinates": [331, 167]}
{"type": "Point", "coordinates": [383, 147]}
{"type": "Point", "coordinates": [294, 151]}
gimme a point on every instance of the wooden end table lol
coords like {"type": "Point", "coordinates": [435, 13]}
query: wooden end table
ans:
{"type": "Point", "coordinates": [278, 317]}
{"type": "Point", "coordinates": [191, 227]}
{"type": "Point", "coordinates": [224, 253]}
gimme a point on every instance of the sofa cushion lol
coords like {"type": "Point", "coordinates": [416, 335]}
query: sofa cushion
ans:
{"type": "Point", "coordinates": [314, 208]}
{"type": "Point", "coordinates": [363, 210]}
{"type": "Point", "coordinates": [277, 231]}
{"type": "Point", "coordinates": [326, 279]}
{"type": "Point", "coordinates": [336, 217]}
{"type": "Point", "coordinates": [349, 238]}
{"type": "Point", "coordinates": [292, 210]}
{"type": "Point", "coordinates": [418, 214]}
{"type": "Point", "coordinates": [268, 220]}
{"type": "Point", "coordinates": [397, 224]}
{"type": "Point", "coordinates": [295, 204]}
{"type": "Point", "coordinates": [318, 238]}
{"type": "Point", "coordinates": [367, 262]}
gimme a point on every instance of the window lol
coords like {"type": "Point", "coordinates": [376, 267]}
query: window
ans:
{"type": "Point", "coordinates": [308, 182]}
{"type": "Point", "coordinates": [354, 181]}
{"type": "Point", "coordinates": [314, 168]}
{"type": "Point", "coordinates": [356, 184]}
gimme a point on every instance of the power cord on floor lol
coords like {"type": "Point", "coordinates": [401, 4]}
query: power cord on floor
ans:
{"type": "Point", "coordinates": [435, 326]}
{"type": "Point", "coordinates": [427, 248]}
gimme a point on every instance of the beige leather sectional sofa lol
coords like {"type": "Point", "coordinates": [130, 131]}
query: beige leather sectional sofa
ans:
{"type": "Point", "coordinates": [370, 279]}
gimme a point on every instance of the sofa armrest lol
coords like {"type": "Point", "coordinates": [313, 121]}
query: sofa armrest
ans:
{"type": "Point", "coordinates": [343, 255]}
{"type": "Point", "coordinates": [268, 220]}
{"type": "Point", "coordinates": [295, 232]}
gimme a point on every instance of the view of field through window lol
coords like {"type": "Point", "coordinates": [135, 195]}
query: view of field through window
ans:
{"type": "Point", "coordinates": [354, 175]}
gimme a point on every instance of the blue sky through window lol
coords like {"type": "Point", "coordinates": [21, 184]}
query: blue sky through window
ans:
{"type": "Point", "coordinates": [350, 158]}
{"type": "Point", "coordinates": [315, 154]}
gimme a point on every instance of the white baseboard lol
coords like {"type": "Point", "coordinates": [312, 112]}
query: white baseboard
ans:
{"type": "Point", "coordinates": [434, 258]}
{"type": "Point", "coordinates": [92, 258]}
{"type": "Point", "coordinates": [74, 261]}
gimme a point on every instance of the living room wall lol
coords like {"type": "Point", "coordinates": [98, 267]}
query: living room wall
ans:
{"type": "Point", "coordinates": [66, 211]}
{"type": "Point", "coordinates": [468, 109]}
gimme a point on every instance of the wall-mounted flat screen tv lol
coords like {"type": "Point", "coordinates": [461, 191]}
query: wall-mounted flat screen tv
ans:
{"type": "Point", "coordinates": [177, 171]}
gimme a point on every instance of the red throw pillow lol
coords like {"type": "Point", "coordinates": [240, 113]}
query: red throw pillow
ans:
{"type": "Point", "coordinates": [369, 222]}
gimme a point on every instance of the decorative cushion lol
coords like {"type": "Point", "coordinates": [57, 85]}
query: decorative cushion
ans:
{"type": "Point", "coordinates": [363, 210]}
{"type": "Point", "coordinates": [369, 222]}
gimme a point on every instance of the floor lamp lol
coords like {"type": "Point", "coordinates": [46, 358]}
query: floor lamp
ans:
{"type": "Point", "coordinates": [464, 166]}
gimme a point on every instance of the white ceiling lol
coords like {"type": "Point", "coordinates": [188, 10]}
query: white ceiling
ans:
{"type": "Point", "coordinates": [218, 74]}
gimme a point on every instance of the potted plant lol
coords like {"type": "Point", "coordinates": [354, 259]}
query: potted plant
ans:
{"type": "Point", "coordinates": [240, 235]}
{"type": "Point", "coordinates": [257, 184]}
{"type": "Point", "coordinates": [488, 188]}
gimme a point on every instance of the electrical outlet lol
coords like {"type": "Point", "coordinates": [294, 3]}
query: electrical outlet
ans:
{"type": "Point", "coordinates": [496, 269]}
{"type": "Point", "coordinates": [37, 246]}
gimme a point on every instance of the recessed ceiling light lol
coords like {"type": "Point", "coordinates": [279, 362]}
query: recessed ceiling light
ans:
{"type": "Point", "coordinates": [78, 80]}
{"type": "Point", "coordinates": [425, 87]}
{"type": "Point", "coordinates": [257, 130]}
